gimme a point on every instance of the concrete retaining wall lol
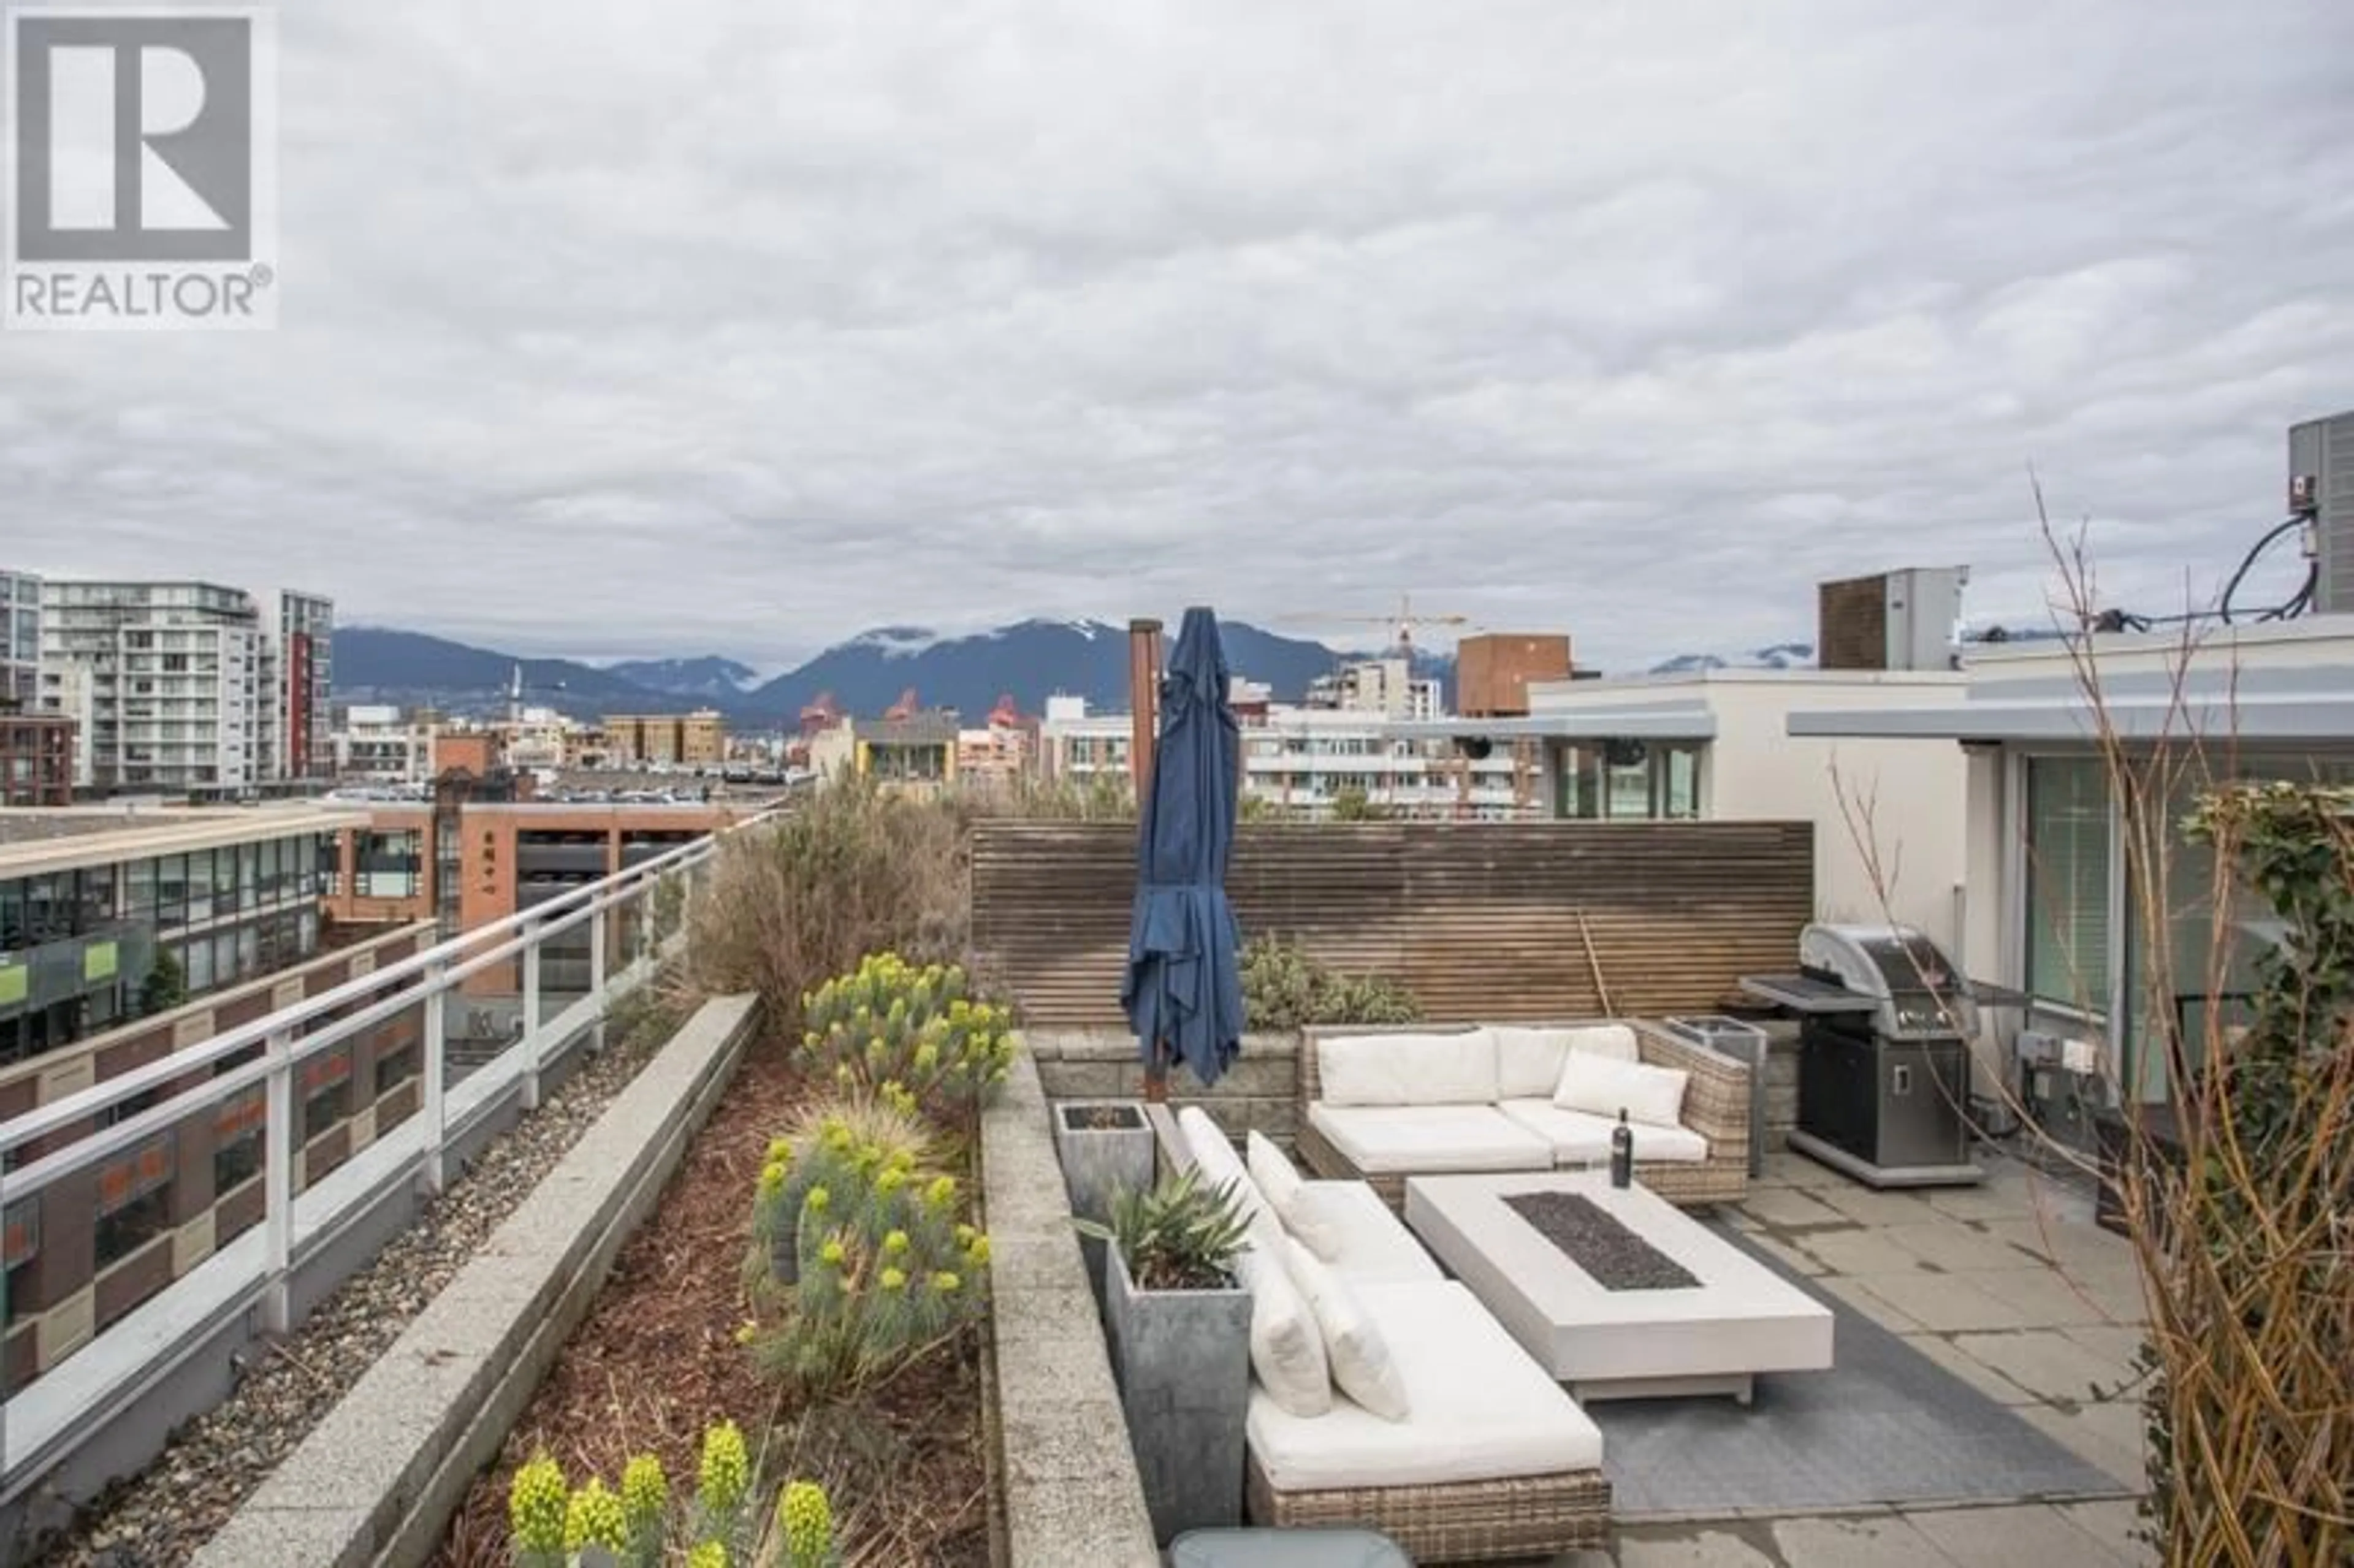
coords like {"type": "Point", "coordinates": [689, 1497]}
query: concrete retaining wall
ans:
{"type": "Point", "coordinates": [1070, 1489]}
{"type": "Point", "coordinates": [378, 1480]}
{"type": "Point", "coordinates": [1258, 1094]}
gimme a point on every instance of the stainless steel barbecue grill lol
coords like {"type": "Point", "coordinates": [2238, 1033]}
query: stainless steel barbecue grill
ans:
{"type": "Point", "coordinates": [1885, 1025]}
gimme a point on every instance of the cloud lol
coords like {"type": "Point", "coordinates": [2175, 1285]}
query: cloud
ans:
{"type": "Point", "coordinates": [659, 329]}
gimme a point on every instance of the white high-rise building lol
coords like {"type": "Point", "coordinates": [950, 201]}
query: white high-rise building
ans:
{"type": "Point", "coordinates": [20, 639]}
{"type": "Point", "coordinates": [189, 686]}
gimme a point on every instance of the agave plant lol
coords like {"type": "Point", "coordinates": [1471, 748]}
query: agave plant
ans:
{"type": "Point", "coordinates": [1176, 1234]}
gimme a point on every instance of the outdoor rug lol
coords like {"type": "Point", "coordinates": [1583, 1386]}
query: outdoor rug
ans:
{"type": "Point", "coordinates": [1887, 1425]}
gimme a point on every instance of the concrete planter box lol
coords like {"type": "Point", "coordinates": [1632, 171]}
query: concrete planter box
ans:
{"type": "Point", "coordinates": [1096, 1160]}
{"type": "Point", "coordinates": [1183, 1363]}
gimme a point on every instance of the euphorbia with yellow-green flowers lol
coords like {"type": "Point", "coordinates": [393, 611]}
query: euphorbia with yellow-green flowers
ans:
{"type": "Point", "coordinates": [917, 1033]}
{"type": "Point", "coordinates": [555, 1525]}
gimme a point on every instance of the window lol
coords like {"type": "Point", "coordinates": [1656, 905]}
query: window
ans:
{"type": "Point", "coordinates": [124, 1231]}
{"type": "Point", "coordinates": [395, 1069]}
{"type": "Point", "coordinates": [2067, 881]}
{"type": "Point", "coordinates": [236, 1162]}
{"type": "Point", "coordinates": [390, 863]}
{"type": "Point", "coordinates": [324, 1109]}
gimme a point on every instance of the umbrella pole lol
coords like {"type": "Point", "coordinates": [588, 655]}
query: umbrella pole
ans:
{"type": "Point", "coordinates": [1156, 1077]}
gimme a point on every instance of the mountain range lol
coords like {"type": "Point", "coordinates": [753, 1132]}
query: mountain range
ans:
{"type": "Point", "coordinates": [1028, 660]}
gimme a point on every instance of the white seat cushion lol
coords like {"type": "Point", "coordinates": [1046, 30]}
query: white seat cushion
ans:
{"type": "Point", "coordinates": [1581, 1138]}
{"type": "Point", "coordinates": [1389, 1141]}
{"type": "Point", "coordinates": [1480, 1408]}
{"type": "Point", "coordinates": [1457, 1069]}
{"type": "Point", "coordinates": [1376, 1249]}
{"type": "Point", "coordinates": [1605, 1086]}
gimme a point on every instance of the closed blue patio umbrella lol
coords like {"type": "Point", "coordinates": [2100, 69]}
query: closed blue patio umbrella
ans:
{"type": "Point", "coordinates": [1183, 992]}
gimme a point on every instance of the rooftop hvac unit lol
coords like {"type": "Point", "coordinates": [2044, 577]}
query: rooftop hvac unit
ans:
{"type": "Point", "coordinates": [1906, 619]}
{"type": "Point", "coordinates": [2321, 488]}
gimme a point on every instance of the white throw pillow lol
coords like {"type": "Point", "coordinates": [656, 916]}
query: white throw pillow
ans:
{"type": "Point", "coordinates": [1359, 1357]}
{"type": "Point", "coordinates": [1603, 1086]}
{"type": "Point", "coordinates": [1287, 1345]}
{"type": "Point", "coordinates": [1295, 1206]}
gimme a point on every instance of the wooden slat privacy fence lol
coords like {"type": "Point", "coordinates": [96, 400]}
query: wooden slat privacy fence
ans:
{"type": "Point", "coordinates": [1478, 919]}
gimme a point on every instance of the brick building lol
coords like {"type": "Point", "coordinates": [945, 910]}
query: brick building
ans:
{"type": "Point", "coordinates": [36, 758]}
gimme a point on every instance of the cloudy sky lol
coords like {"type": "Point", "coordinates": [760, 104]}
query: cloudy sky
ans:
{"type": "Point", "coordinates": [700, 325]}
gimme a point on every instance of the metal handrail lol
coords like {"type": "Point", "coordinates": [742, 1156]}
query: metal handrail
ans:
{"type": "Point", "coordinates": [291, 1036]}
{"type": "Point", "coordinates": [551, 917]}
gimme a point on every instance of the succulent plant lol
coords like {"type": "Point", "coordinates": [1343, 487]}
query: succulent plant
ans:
{"type": "Point", "coordinates": [914, 1037]}
{"type": "Point", "coordinates": [645, 1504]}
{"type": "Point", "coordinates": [805, 1524]}
{"type": "Point", "coordinates": [1176, 1234]}
{"type": "Point", "coordinates": [595, 1518]}
{"type": "Point", "coordinates": [536, 1505]}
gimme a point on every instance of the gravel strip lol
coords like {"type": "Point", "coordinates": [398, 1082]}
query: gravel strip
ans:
{"type": "Point", "coordinates": [214, 1463]}
{"type": "Point", "coordinates": [1599, 1243]}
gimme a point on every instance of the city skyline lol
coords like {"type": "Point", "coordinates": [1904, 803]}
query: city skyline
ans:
{"type": "Point", "coordinates": [1552, 317]}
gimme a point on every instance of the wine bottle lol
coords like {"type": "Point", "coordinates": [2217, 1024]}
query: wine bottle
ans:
{"type": "Point", "coordinates": [1622, 1151]}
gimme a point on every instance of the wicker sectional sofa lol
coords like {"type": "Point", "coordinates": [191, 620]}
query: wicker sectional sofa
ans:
{"type": "Point", "coordinates": [1433, 1100]}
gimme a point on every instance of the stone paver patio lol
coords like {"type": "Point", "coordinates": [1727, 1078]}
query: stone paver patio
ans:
{"type": "Point", "coordinates": [2010, 1286]}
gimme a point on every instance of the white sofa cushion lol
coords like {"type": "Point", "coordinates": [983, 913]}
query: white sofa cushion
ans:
{"type": "Point", "coordinates": [1392, 1140]}
{"type": "Point", "coordinates": [1376, 1249]}
{"type": "Point", "coordinates": [1286, 1347]}
{"type": "Point", "coordinates": [1480, 1408]}
{"type": "Point", "coordinates": [1529, 1059]}
{"type": "Point", "coordinates": [1360, 1358]}
{"type": "Point", "coordinates": [1457, 1069]}
{"type": "Point", "coordinates": [1300, 1209]}
{"type": "Point", "coordinates": [1581, 1138]}
{"type": "Point", "coordinates": [1603, 1086]}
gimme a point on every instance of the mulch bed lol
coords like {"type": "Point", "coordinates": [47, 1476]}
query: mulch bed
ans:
{"type": "Point", "coordinates": [657, 1360]}
{"type": "Point", "coordinates": [1598, 1243]}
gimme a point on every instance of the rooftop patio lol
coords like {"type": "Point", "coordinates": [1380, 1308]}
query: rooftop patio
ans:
{"type": "Point", "coordinates": [2007, 1286]}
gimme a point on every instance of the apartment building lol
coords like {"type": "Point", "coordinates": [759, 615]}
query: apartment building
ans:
{"type": "Point", "coordinates": [36, 758]}
{"type": "Point", "coordinates": [298, 631]}
{"type": "Point", "coordinates": [379, 744]}
{"type": "Point", "coordinates": [20, 639]}
{"type": "Point", "coordinates": [698, 739]}
{"type": "Point", "coordinates": [1081, 746]}
{"type": "Point", "coordinates": [1305, 760]}
{"type": "Point", "coordinates": [1387, 686]}
{"type": "Point", "coordinates": [188, 687]}
{"type": "Point", "coordinates": [91, 897]}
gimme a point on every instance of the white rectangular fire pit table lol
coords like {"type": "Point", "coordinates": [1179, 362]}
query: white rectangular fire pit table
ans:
{"type": "Point", "coordinates": [1710, 1338]}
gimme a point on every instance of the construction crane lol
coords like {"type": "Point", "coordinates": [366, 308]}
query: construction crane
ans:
{"type": "Point", "coordinates": [1401, 625]}
{"type": "Point", "coordinates": [517, 686]}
